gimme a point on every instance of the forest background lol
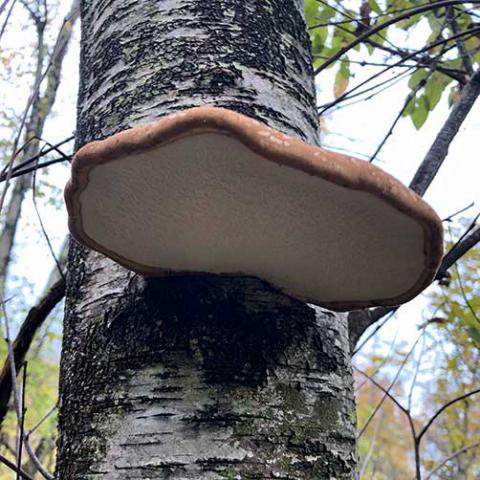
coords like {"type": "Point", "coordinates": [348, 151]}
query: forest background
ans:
{"type": "Point", "coordinates": [389, 74]}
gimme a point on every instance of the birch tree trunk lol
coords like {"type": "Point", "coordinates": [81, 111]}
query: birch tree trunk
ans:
{"type": "Point", "coordinates": [198, 377]}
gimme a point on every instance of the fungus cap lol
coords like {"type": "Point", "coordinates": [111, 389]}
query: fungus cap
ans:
{"type": "Point", "coordinates": [209, 190]}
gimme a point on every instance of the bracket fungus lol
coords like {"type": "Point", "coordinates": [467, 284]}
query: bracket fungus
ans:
{"type": "Point", "coordinates": [207, 190]}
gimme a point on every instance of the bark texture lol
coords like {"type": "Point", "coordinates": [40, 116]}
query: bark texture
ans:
{"type": "Point", "coordinates": [198, 377]}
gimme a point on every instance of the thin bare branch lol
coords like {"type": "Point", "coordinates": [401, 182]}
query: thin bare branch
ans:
{"type": "Point", "coordinates": [40, 166]}
{"type": "Point", "coordinates": [360, 320]}
{"type": "Point", "coordinates": [442, 409]}
{"type": "Point", "coordinates": [464, 295]}
{"type": "Point", "coordinates": [457, 252]}
{"type": "Point", "coordinates": [415, 374]}
{"type": "Point", "coordinates": [36, 316]}
{"type": "Point", "coordinates": [411, 95]}
{"type": "Point", "coordinates": [42, 226]}
{"type": "Point", "coordinates": [9, 13]}
{"type": "Point", "coordinates": [387, 391]}
{"type": "Point", "coordinates": [439, 149]}
{"type": "Point", "coordinates": [3, 6]}
{"type": "Point", "coordinates": [14, 468]}
{"type": "Point", "coordinates": [348, 94]}
{"type": "Point", "coordinates": [381, 26]}
{"type": "Point", "coordinates": [42, 420]}
{"type": "Point", "coordinates": [36, 157]}
{"type": "Point", "coordinates": [462, 50]}
{"type": "Point", "coordinates": [22, 421]}
{"type": "Point", "coordinates": [451, 457]}
{"type": "Point", "coordinates": [458, 212]}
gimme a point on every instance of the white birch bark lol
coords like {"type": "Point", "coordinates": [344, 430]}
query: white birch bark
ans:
{"type": "Point", "coordinates": [198, 377]}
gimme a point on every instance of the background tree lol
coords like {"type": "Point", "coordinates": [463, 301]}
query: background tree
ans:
{"type": "Point", "coordinates": [362, 49]}
{"type": "Point", "coordinates": [441, 371]}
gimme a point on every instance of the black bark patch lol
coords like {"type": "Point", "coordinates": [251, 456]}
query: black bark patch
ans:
{"type": "Point", "coordinates": [213, 321]}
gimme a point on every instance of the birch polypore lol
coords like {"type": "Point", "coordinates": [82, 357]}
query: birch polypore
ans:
{"type": "Point", "coordinates": [213, 191]}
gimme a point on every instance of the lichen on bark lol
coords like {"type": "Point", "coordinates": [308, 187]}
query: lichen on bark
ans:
{"type": "Point", "coordinates": [198, 377]}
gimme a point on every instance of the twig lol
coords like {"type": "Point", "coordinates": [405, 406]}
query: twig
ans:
{"type": "Point", "coordinates": [42, 226]}
{"type": "Point", "coordinates": [350, 94]}
{"type": "Point", "coordinates": [458, 212]}
{"type": "Point", "coordinates": [25, 171]}
{"type": "Point", "coordinates": [451, 457]}
{"type": "Point", "coordinates": [360, 320]}
{"type": "Point", "coordinates": [39, 155]}
{"type": "Point", "coordinates": [38, 464]}
{"type": "Point", "coordinates": [14, 468]}
{"type": "Point", "coordinates": [377, 28]}
{"type": "Point", "coordinates": [457, 252]}
{"type": "Point", "coordinates": [412, 94]}
{"type": "Point", "coordinates": [467, 230]}
{"type": "Point", "coordinates": [417, 369]}
{"type": "Point", "coordinates": [464, 295]}
{"type": "Point", "coordinates": [361, 26]}
{"type": "Point", "coordinates": [42, 420]}
{"type": "Point", "coordinates": [21, 345]}
{"type": "Point", "coordinates": [467, 62]}
{"type": "Point", "coordinates": [439, 149]}
{"type": "Point", "coordinates": [387, 392]}
{"type": "Point", "coordinates": [9, 13]}
{"type": "Point", "coordinates": [371, 448]}
{"type": "Point", "coordinates": [396, 64]}
{"type": "Point", "coordinates": [16, 398]}
{"type": "Point", "coordinates": [59, 47]}
{"type": "Point", "coordinates": [11, 373]}
{"type": "Point", "coordinates": [442, 409]}
{"type": "Point", "coordinates": [22, 422]}
{"type": "Point", "coordinates": [3, 6]}
{"type": "Point", "coordinates": [383, 362]}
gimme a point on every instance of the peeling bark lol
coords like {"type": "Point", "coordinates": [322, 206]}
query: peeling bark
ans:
{"type": "Point", "coordinates": [198, 377]}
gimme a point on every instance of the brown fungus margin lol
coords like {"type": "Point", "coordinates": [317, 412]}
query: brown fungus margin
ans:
{"type": "Point", "coordinates": [274, 146]}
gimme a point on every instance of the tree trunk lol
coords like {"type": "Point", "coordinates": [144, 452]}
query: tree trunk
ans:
{"type": "Point", "coordinates": [198, 377]}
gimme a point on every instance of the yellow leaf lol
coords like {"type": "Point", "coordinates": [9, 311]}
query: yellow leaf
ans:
{"type": "Point", "coordinates": [340, 86]}
{"type": "Point", "coordinates": [68, 25]}
{"type": "Point", "coordinates": [323, 125]}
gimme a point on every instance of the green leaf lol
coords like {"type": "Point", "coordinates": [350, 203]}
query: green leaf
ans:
{"type": "Point", "coordinates": [319, 40]}
{"type": "Point", "coordinates": [311, 9]}
{"type": "Point", "coordinates": [345, 69]}
{"type": "Point", "coordinates": [375, 6]}
{"type": "Point", "coordinates": [473, 327]}
{"type": "Point", "coordinates": [419, 115]}
{"type": "Point", "coordinates": [326, 14]}
{"type": "Point", "coordinates": [416, 78]}
{"type": "Point", "coordinates": [407, 112]}
{"type": "Point", "coordinates": [409, 22]}
{"type": "Point", "coordinates": [433, 91]}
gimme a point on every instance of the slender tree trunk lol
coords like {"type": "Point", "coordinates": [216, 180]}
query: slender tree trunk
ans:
{"type": "Point", "coordinates": [40, 110]}
{"type": "Point", "coordinates": [198, 377]}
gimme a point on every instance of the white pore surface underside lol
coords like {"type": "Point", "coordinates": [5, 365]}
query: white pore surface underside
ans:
{"type": "Point", "coordinates": [207, 203]}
